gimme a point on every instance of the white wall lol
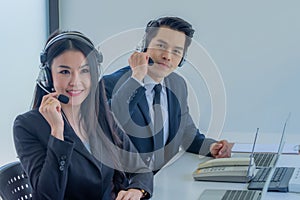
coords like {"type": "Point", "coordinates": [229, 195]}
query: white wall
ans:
{"type": "Point", "coordinates": [23, 32]}
{"type": "Point", "coordinates": [255, 45]}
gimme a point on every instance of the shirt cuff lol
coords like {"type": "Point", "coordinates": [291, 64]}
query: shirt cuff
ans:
{"type": "Point", "coordinates": [140, 82]}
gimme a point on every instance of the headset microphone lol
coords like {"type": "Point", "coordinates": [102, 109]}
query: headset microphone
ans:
{"type": "Point", "coordinates": [62, 98]}
{"type": "Point", "coordinates": [150, 61]}
{"type": "Point", "coordinates": [141, 49]}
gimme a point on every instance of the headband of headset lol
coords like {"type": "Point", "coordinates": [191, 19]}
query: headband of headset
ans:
{"type": "Point", "coordinates": [71, 35]}
{"type": "Point", "coordinates": [44, 79]}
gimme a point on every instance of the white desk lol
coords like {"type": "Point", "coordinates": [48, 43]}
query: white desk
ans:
{"type": "Point", "coordinates": [175, 181]}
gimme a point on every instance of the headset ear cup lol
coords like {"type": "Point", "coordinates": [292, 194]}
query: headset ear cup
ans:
{"type": "Point", "coordinates": [141, 46]}
{"type": "Point", "coordinates": [43, 57]}
{"type": "Point", "coordinates": [99, 57]}
{"type": "Point", "coordinates": [45, 78]}
{"type": "Point", "coordinates": [181, 62]}
{"type": "Point", "coordinates": [49, 80]}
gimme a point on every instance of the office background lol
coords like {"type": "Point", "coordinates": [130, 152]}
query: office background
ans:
{"type": "Point", "coordinates": [255, 46]}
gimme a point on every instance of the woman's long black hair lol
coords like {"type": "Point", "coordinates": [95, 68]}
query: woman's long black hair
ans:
{"type": "Point", "coordinates": [94, 111]}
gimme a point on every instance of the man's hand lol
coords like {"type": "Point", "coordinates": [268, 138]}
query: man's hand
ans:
{"type": "Point", "coordinates": [131, 194]}
{"type": "Point", "coordinates": [138, 62]}
{"type": "Point", "coordinates": [221, 149]}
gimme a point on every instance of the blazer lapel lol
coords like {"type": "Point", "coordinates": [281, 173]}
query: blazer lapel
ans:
{"type": "Point", "coordinates": [144, 110]}
{"type": "Point", "coordinates": [173, 109]}
{"type": "Point", "coordinates": [78, 146]}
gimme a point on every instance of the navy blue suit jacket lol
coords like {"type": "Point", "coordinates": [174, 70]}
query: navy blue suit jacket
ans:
{"type": "Point", "coordinates": [130, 107]}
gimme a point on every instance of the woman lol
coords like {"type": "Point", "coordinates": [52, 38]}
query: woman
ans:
{"type": "Point", "coordinates": [68, 144]}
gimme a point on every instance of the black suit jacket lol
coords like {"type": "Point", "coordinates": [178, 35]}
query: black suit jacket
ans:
{"type": "Point", "coordinates": [66, 169]}
{"type": "Point", "coordinates": [130, 107]}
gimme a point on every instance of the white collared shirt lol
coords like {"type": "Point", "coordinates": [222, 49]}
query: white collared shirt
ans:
{"type": "Point", "coordinates": [149, 83]}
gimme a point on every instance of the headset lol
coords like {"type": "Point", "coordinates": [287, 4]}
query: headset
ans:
{"type": "Point", "coordinates": [44, 80]}
{"type": "Point", "coordinates": [155, 24]}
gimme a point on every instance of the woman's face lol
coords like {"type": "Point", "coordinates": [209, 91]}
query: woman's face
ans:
{"type": "Point", "coordinates": [71, 76]}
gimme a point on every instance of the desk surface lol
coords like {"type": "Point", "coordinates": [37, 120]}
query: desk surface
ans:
{"type": "Point", "coordinates": [175, 181]}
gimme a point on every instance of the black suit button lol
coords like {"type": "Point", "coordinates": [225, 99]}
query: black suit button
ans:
{"type": "Point", "coordinates": [62, 162]}
{"type": "Point", "coordinates": [61, 168]}
{"type": "Point", "coordinates": [63, 157]}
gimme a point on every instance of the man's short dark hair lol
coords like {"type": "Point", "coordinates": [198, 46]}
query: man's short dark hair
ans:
{"type": "Point", "coordinates": [174, 23]}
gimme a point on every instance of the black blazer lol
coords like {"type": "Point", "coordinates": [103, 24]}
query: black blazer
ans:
{"type": "Point", "coordinates": [66, 169]}
{"type": "Point", "coordinates": [130, 107]}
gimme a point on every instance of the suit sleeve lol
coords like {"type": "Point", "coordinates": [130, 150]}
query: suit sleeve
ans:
{"type": "Point", "coordinates": [200, 144]}
{"type": "Point", "coordinates": [194, 141]}
{"type": "Point", "coordinates": [124, 101]}
{"type": "Point", "coordinates": [45, 162]}
{"type": "Point", "coordinates": [140, 175]}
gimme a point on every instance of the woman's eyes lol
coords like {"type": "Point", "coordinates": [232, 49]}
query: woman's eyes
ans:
{"type": "Point", "coordinates": [82, 71]}
{"type": "Point", "coordinates": [64, 72]}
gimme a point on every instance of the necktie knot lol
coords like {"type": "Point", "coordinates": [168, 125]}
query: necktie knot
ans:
{"type": "Point", "coordinates": [157, 88]}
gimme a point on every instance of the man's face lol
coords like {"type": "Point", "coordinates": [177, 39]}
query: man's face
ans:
{"type": "Point", "coordinates": [166, 49]}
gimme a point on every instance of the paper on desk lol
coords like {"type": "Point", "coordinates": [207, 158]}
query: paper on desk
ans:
{"type": "Point", "coordinates": [247, 147]}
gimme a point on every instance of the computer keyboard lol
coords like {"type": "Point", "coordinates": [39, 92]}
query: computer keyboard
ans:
{"type": "Point", "coordinates": [294, 184]}
{"type": "Point", "coordinates": [263, 159]}
{"type": "Point", "coordinates": [279, 182]}
{"type": "Point", "coordinates": [239, 195]}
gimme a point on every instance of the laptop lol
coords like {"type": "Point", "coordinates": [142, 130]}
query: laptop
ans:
{"type": "Point", "coordinates": [219, 194]}
{"type": "Point", "coordinates": [284, 179]}
{"type": "Point", "coordinates": [268, 159]}
{"type": "Point", "coordinates": [215, 194]}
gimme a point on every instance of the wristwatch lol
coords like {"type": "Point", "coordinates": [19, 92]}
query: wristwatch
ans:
{"type": "Point", "coordinates": [144, 192]}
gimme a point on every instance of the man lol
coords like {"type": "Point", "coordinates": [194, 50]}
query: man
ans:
{"type": "Point", "coordinates": [149, 100]}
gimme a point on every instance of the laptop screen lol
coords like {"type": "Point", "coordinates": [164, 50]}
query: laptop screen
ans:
{"type": "Point", "coordinates": [282, 139]}
{"type": "Point", "coordinates": [282, 142]}
{"type": "Point", "coordinates": [251, 155]}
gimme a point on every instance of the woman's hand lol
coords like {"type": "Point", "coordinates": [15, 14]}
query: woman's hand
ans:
{"type": "Point", "coordinates": [131, 194]}
{"type": "Point", "coordinates": [50, 108]}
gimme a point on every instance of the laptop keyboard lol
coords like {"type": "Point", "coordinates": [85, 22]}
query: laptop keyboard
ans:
{"type": "Point", "coordinates": [279, 181]}
{"type": "Point", "coordinates": [239, 195]}
{"type": "Point", "coordinates": [263, 159]}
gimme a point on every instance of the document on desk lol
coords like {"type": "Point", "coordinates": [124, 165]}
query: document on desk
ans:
{"type": "Point", "coordinates": [273, 148]}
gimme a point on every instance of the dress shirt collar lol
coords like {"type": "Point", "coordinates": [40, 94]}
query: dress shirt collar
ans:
{"type": "Point", "coordinates": [150, 83]}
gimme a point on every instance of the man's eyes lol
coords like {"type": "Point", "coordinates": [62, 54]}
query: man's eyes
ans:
{"type": "Point", "coordinates": [161, 46]}
{"type": "Point", "coordinates": [164, 47]}
{"type": "Point", "coordinates": [85, 70]}
{"type": "Point", "coordinates": [178, 52]}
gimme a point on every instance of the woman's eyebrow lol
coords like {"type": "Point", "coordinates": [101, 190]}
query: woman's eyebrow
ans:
{"type": "Point", "coordinates": [68, 67]}
{"type": "Point", "coordinates": [64, 66]}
